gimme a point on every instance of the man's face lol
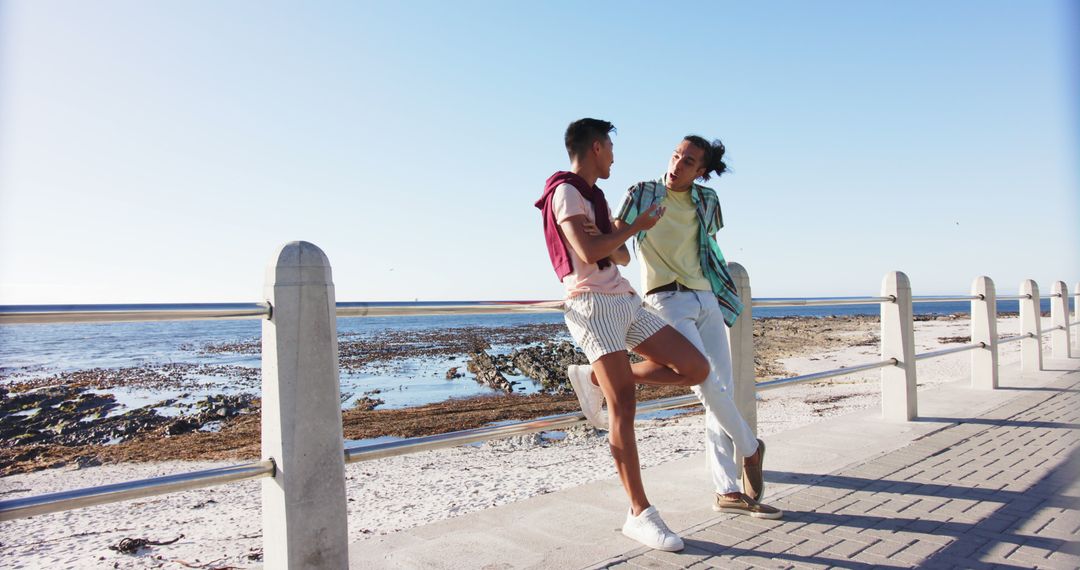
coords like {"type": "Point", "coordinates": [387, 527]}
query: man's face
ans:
{"type": "Point", "coordinates": [605, 156]}
{"type": "Point", "coordinates": [687, 164]}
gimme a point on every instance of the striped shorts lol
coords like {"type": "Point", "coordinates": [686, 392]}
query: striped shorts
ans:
{"type": "Point", "coordinates": [602, 324]}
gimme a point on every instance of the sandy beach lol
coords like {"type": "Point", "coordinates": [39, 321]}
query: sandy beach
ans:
{"type": "Point", "coordinates": [220, 527]}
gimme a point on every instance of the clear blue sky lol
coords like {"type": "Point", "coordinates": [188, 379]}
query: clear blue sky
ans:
{"type": "Point", "coordinates": [162, 151]}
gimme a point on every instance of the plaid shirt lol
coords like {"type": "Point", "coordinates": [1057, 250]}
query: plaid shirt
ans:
{"type": "Point", "coordinates": [644, 194]}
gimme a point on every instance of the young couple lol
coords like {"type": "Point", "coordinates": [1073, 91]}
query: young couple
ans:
{"type": "Point", "coordinates": [680, 330]}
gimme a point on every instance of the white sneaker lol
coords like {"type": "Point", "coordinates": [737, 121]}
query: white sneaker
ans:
{"type": "Point", "coordinates": [588, 394]}
{"type": "Point", "coordinates": [649, 529]}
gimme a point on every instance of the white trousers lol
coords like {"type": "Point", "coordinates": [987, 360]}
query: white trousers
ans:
{"type": "Point", "coordinates": [697, 315]}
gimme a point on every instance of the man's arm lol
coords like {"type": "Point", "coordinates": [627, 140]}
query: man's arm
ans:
{"type": "Point", "coordinates": [621, 256]}
{"type": "Point", "coordinates": [593, 248]}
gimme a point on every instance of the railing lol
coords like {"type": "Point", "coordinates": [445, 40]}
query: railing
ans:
{"type": "Point", "coordinates": [299, 333]}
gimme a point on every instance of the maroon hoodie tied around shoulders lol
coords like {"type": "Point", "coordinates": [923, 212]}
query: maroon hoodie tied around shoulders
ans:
{"type": "Point", "coordinates": [557, 249]}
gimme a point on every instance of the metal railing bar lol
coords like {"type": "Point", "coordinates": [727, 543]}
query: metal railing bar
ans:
{"type": "Point", "coordinates": [821, 302]}
{"type": "Point", "coordinates": [771, 384]}
{"type": "Point", "coordinates": [1015, 338]}
{"type": "Point", "coordinates": [369, 452]}
{"type": "Point", "coordinates": [407, 308]}
{"type": "Point", "coordinates": [42, 314]}
{"type": "Point", "coordinates": [947, 299]}
{"type": "Point", "coordinates": [944, 351]}
{"type": "Point", "coordinates": [78, 498]}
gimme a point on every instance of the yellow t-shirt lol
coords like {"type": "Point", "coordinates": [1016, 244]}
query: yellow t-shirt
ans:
{"type": "Point", "coordinates": [670, 250]}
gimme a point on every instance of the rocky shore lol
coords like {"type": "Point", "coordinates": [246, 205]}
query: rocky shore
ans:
{"type": "Point", "coordinates": [73, 418]}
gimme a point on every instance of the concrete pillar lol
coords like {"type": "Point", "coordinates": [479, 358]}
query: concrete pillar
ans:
{"type": "Point", "coordinates": [1030, 324]}
{"type": "Point", "coordinates": [899, 400]}
{"type": "Point", "coordinates": [303, 505]}
{"type": "Point", "coordinates": [1059, 317]}
{"type": "Point", "coordinates": [742, 349]}
{"type": "Point", "coordinates": [984, 361]}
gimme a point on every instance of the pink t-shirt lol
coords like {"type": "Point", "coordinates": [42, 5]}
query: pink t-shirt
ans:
{"type": "Point", "coordinates": [567, 202]}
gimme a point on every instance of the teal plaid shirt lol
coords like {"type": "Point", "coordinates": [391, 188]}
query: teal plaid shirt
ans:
{"type": "Point", "coordinates": [644, 194]}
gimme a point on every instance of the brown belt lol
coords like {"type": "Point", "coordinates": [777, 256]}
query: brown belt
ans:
{"type": "Point", "coordinates": [673, 286]}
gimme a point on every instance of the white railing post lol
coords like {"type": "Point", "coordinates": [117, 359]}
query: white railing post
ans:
{"type": "Point", "coordinates": [1076, 318]}
{"type": "Point", "coordinates": [304, 504]}
{"type": "Point", "coordinates": [984, 361]}
{"type": "Point", "coordinates": [1059, 317]}
{"type": "Point", "coordinates": [899, 400]}
{"type": "Point", "coordinates": [742, 349]}
{"type": "Point", "coordinates": [1030, 325]}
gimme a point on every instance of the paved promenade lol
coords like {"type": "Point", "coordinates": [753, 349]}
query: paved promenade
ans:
{"type": "Point", "coordinates": [982, 480]}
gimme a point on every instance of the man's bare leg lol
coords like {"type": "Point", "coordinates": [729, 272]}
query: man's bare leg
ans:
{"type": "Point", "coordinates": [671, 360]}
{"type": "Point", "coordinates": [679, 363]}
{"type": "Point", "coordinates": [616, 381]}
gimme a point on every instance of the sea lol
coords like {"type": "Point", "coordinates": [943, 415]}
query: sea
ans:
{"type": "Point", "coordinates": [37, 351]}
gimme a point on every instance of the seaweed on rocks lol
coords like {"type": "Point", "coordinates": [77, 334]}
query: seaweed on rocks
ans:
{"type": "Point", "coordinates": [489, 372]}
{"type": "Point", "coordinates": [547, 363]}
{"type": "Point", "coordinates": [74, 415]}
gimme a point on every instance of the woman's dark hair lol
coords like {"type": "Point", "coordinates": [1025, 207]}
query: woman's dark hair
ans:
{"type": "Point", "coordinates": [714, 155]}
{"type": "Point", "coordinates": [583, 132]}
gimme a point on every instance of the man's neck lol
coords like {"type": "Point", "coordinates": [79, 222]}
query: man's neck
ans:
{"type": "Point", "coordinates": [679, 188]}
{"type": "Point", "coordinates": [586, 172]}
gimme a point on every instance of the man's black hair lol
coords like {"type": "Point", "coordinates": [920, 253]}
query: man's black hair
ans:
{"type": "Point", "coordinates": [582, 133]}
{"type": "Point", "coordinates": [714, 154]}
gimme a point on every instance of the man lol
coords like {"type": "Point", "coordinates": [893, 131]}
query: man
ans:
{"type": "Point", "coordinates": [606, 317]}
{"type": "Point", "coordinates": [687, 282]}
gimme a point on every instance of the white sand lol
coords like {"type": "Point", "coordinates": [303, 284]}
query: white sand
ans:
{"type": "Point", "coordinates": [221, 526]}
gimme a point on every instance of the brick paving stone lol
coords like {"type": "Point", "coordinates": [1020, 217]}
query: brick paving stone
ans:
{"type": "Point", "coordinates": [1065, 560]}
{"type": "Point", "coordinates": [998, 522]}
{"type": "Point", "coordinates": [757, 525]}
{"type": "Point", "coordinates": [623, 565]}
{"type": "Point", "coordinates": [887, 547]}
{"type": "Point", "coordinates": [1063, 525]}
{"type": "Point", "coordinates": [809, 565]}
{"type": "Point", "coordinates": [890, 524]}
{"type": "Point", "coordinates": [951, 562]}
{"type": "Point", "coordinates": [789, 524]}
{"type": "Point", "coordinates": [764, 562]}
{"type": "Point", "coordinates": [848, 548]}
{"type": "Point", "coordinates": [799, 503]}
{"type": "Point", "coordinates": [866, 560]}
{"type": "Point", "coordinates": [1028, 556]}
{"type": "Point", "coordinates": [809, 547]}
{"type": "Point", "coordinates": [688, 555]}
{"type": "Point", "coordinates": [900, 504]}
{"type": "Point", "coordinates": [723, 540]}
{"type": "Point", "coordinates": [851, 534]}
{"type": "Point", "coordinates": [1035, 522]}
{"type": "Point", "coordinates": [1000, 550]}
{"type": "Point", "coordinates": [695, 544]}
{"type": "Point", "coordinates": [729, 533]}
{"type": "Point", "coordinates": [645, 561]}
{"type": "Point", "coordinates": [923, 549]}
{"type": "Point", "coordinates": [774, 547]}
